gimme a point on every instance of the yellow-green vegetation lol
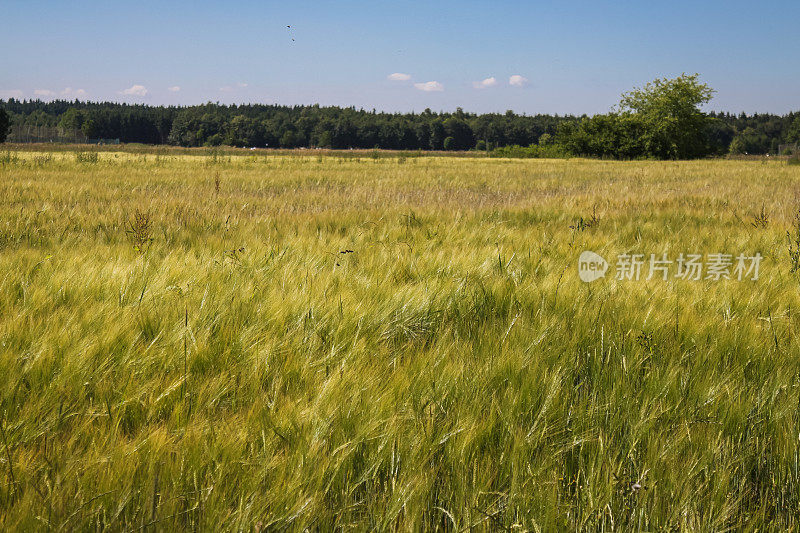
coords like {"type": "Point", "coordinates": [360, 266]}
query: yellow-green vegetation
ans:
{"type": "Point", "coordinates": [270, 342]}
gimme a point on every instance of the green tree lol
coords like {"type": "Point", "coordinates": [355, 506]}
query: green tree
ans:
{"type": "Point", "coordinates": [72, 119]}
{"type": "Point", "coordinates": [243, 131]}
{"type": "Point", "coordinates": [793, 135]}
{"type": "Point", "coordinates": [182, 131]}
{"type": "Point", "coordinates": [5, 122]}
{"type": "Point", "coordinates": [460, 132]}
{"type": "Point", "coordinates": [437, 135]}
{"type": "Point", "coordinates": [449, 143]}
{"type": "Point", "coordinates": [290, 140]}
{"type": "Point", "coordinates": [325, 139]}
{"type": "Point", "coordinates": [719, 135]}
{"type": "Point", "coordinates": [674, 125]}
{"type": "Point", "coordinates": [90, 128]}
{"type": "Point", "coordinates": [750, 141]}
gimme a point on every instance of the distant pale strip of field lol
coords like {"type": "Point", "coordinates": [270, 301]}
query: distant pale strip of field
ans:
{"type": "Point", "coordinates": [277, 341]}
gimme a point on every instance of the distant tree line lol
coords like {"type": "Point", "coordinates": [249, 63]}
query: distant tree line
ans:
{"type": "Point", "coordinates": [285, 127]}
{"type": "Point", "coordinates": [662, 120]}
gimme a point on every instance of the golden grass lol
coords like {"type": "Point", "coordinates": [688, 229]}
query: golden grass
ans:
{"type": "Point", "coordinates": [220, 363]}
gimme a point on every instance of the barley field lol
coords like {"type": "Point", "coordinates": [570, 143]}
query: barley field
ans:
{"type": "Point", "coordinates": [291, 342]}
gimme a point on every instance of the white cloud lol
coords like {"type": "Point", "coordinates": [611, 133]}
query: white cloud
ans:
{"type": "Point", "coordinates": [231, 88]}
{"type": "Point", "coordinates": [12, 93]}
{"type": "Point", "coordinates": [399, 76]}
{"type": "Point", "coordinates": [430, 86]}
{"type": "Point", "coordinates": [70, 92]}
{"type": "Point", "coordinates": [136, 90]}
{"type": "Point", "coordinates": [174, 89]}
{"type": "Point", "coordinates": [517, 81]}
{"type": "Point", "coordinates": [483, 84]}
{"type": "Point", "coordinates": [43, 92]}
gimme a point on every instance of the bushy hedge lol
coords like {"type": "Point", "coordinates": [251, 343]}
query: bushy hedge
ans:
{"type": "Point", "coordinates": [533, 151]}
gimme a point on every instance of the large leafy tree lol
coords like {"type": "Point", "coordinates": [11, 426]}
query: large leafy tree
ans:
{"type": "Point", "coordinates": [661, 120]}
{"type": "Point", "coordinates": [669, 109]}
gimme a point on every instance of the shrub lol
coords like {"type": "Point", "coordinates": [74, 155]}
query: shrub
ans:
{"type": "Point", "coordinates": [9, 158]}
{"type": "Point", "coordinates": [87, 157]}
{"type": "Point", "coordinates": [552, 151]}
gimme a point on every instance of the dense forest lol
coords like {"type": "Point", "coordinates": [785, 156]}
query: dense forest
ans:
{"type": "Point", "coordinates": [638, 128]}
{"type": "Point", "coordinates": [285, 127]}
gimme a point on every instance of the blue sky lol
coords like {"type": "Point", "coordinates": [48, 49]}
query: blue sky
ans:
{"type": "Point", "coordinates": [568, 57]}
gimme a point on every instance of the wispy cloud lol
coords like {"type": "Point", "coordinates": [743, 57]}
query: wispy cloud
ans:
{"type": "Point", "coordinates": [74, 93]}
{"type": "Point", "coordinates": [174, 89]}
{"type": "Point", "coordinates": [136, 90]}
{"type": "Point", "coordinates": [483, 84]}
{"type": "Point", "coordinates": [399, 76]}
{"type": "Point", "coordinates": [10, 93]}
{"type": "Point", "coordinates": [430, 86]}
{"type": "Point", "coordinates": [231, 88]}
{"type": "Point", "coordinates": [44, 92]}
{"type": "Point", "coordinates": [517, 81]}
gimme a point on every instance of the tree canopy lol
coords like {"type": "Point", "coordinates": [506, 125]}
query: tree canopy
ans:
{"type": "Point", "coordinates": [671, 120]}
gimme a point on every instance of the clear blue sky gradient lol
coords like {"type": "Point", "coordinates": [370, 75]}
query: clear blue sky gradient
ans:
{"type": "Point", "coordinates": [578, 56]}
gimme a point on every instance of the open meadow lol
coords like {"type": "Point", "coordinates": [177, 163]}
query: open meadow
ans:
{"type": "Point", "coordinates": [270, 342]}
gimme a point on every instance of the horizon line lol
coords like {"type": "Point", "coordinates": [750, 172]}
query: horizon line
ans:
{"type": "Point", "coordinates": [354, 107]}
